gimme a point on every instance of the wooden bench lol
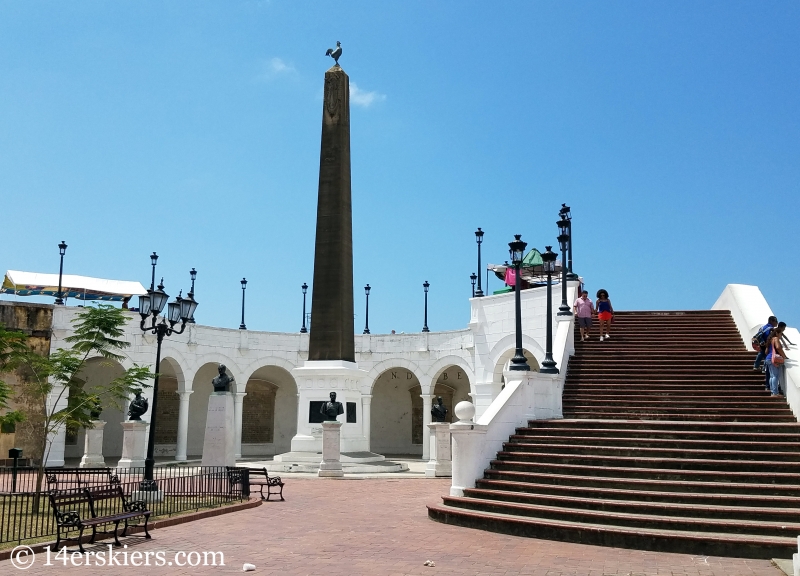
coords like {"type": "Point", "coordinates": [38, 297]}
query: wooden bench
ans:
{"type": "Point", "coordinates": [81, 509]}
{"type": "Point", "coordinates": [261, 478]}
{"type": "Point", "coordinates": [59, 479]}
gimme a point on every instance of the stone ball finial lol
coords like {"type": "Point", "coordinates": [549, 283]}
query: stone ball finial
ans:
{"type": "Point", "coordinates": [465, 411]}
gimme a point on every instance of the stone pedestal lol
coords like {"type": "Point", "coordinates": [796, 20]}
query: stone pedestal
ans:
{"type": "Point", "coordinates": [93, 446]}
{"type": "Point", "coordinates": [219, 444]}
{"type": "Point", "coordinates": [331, 466]}
{"type": "Point", "coordinates": [134, 444]}
{"type": "Point", "coordinates": [440, 463]}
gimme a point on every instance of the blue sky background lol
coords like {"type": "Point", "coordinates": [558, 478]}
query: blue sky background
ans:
{"type": "Point", "coordinates": [192, 128]}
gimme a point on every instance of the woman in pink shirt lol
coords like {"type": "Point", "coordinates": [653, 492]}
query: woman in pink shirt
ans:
{"type": "Point", "coordinates": [583, 308]}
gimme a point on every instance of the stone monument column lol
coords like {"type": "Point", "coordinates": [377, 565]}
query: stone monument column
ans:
{"type": "Point", "coordinates": [331, 465]}
{"type": "Point", "coordinates": [219, 442]}
{"type": "Point", "coordinates": [183, 425]}
{"type": "Point", "coordinates": [366, 416]}
{"type": "Point", "coordinates": [237, 415]}
{"type": "Point", "coordinates": [134, 444]}
{"type": "Point", "coordinates": [93, 446]}
{"type": "Point", "coordinates": [440, 463]}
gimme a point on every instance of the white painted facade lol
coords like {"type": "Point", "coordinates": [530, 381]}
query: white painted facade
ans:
{"type": "Point", "coordinates": [468, 362]}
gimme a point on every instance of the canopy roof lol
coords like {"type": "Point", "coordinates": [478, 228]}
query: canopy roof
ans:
{"type": "Point", "coordinates": [72, 286]}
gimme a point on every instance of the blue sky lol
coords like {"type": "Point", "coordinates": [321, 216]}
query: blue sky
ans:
{"type": "Point", "coordinates": [192, 128]}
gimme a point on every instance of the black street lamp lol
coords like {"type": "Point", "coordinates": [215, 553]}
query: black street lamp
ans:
{"type": "Point", "coordinates": [565, 213]}
{"type": "Point", "coordinates": [425, 286]}
{"type": "Point", "coordinates": [181, 309]}
{"type": "Point", "coordinates": [366, 324]}
{"type": "Point", "coordinates": [244, 287]}
{"type": "Point", "coordinates": [563, 238]}
{"type": "Point", "coordinates": [472, 278]}
{"type": "Point", "coordinates": [62, 249]}
{"type": "Point", "coordinates": [193, 276]}
{"type": "Point", "coordinates": [153, 260]}
{"type": "Point", "coordinates": [479, 240]}
{"type": "Point", "coordinates": [304, 287]}
{"type": "Point", "coordinates": [549, 264]}
{"type": "Point", "coordinates": [517, 251]}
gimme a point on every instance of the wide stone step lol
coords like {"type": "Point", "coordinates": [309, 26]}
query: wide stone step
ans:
{"type": "Point", "coordinates": [630, 519]}
{"type": "Point", "coordinates": [718, 415]}
{"type": "Point", "coordinates": [647, 470]}
{"type": "Point", "coordinates": [704, 543]}
{"type": "Point", "coordinates": [738, 512]}
{"type": "Point", "coordinates": [616, 479]}
{"type": "Point", "coordinates": [674, 403]}
{"type": "Point", "coordinates": [612, 395]}
{"type": "Point", "coordinates": [742, 443]}
{"type": "Point", "coordinates": [678, 452]}
{"type": "Point", "coordinates": [667, 426]}
{"type": "Point", "coordinates": [715, 498]}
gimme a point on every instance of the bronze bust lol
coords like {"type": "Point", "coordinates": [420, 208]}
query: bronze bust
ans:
{"type": "Point", "coordinates": [138, 407]}
{"type": "Point", "coordinates": [330, 410]}
{"type": "Point", "coordinates": [439, 411]}
{"type": "Point", "coordinates": [223, 381]}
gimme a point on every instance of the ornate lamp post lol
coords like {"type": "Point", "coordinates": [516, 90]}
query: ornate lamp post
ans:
{"type": "Point", "coordinates": [193, 276]}
{"type": "Point", "coordinates": [153, 260]}
{"type": "Point", "coordinates": [565, 213]}
{"type": "Point", "coordinates": [563, 238]}
{"type": "Point", "coordinates": [479, 240]}
{"type": "Point", "coordinates": [62, 249]}
{"type": "Point", "coordinates": [472, 278]}
{"type": "Point", "coordinates": [244, 287]}
{"type": "Point", "coordinates": [304, 287]}
{"type": "Point", "coordinates": [425, 286]}
{"type": "Point", "coordinates": [366, 322]}
{"type": "Point", "coordinates": [181, 309]}
{"type": "Point", "coordinates": [517, 251]}
{"type": "Point", "coordinates": [549, 260]}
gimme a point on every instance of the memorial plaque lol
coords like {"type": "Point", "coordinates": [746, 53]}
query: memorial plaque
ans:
{"type": "Point", "coordinates": [314, 415]}
{"type": "Point", "coordinates": [351, 412]}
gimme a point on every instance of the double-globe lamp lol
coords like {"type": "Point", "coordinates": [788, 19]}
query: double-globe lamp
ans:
{"type": "Point", "coordinates": [516, 250]}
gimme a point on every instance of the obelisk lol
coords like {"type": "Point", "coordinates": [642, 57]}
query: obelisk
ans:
{"type": "Point", "coordinates": [332, 333]}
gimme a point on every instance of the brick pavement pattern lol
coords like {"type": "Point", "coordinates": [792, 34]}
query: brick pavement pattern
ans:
{"type": "Point", "coordinates": [381, 527]}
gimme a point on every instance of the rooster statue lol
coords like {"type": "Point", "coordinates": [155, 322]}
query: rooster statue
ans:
{"type": "Point", "coordinates": [335, 53]}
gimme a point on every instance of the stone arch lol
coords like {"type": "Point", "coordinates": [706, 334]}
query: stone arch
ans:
{"type": "Point", "coordinates": [391, 429]}
{"type": "Point", "coordinates": [443, 364]}
{"type": "Point", "coordinates": [171, 381]}
{"type": "Point", "coordinates": [98, 372]}
{"type": "Point", "coordinates": [385, 365]}
{"type": "Point", "coordinates": [505, 358]}
{"type": "Point", "coordinates": [269, 411]}
{"type": "Point", "coordinates": [198, 405]}
{"type": "Point", "coordinates": [502, 347]}
{"type": "Point", "coordinates": [453, 384]}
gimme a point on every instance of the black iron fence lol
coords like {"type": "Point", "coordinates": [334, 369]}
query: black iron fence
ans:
{"type": "Point", "coordinates": [25, 514]}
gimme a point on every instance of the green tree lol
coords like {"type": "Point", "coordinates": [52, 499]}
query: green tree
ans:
{"type": "Point", "coordinates": [47, 380]}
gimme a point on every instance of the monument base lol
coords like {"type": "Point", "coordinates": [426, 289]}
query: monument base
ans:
{"type": "Point", "coordinates": [440, 464]}
{"type": "Point", "coordinates": [219, 444]}
{"type": "Point", "coordinates": [149, 496]}
{"type": "Point", "coordinates": [134, 444]}
{"type": "Point", "coordinates": [352, 463]}
{"type": "Point", "coordinates": [93, 446]}
{"type": "Point", "coordinates": [331, 465]}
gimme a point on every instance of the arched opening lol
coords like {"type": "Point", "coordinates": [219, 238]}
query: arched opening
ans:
{"type": "Point", "coordinates": [391, 429]}
{"type": "Point", "coordinates": [167, 409]}
{"type": "Point", "coordinates": [505, 361]}
{"type": "Point", "coordinates": [452, 385]}
{"type": "Point", "coordinates": [98, 373]}
{"type": "Point", "coordinates": [269, 412]}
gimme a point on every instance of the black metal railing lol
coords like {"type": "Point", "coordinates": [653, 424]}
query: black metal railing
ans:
{"type": "Point", "coordinates": [26, 514]}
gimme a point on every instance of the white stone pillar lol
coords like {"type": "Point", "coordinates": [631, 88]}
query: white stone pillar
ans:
{"type": "Point", "coordinates": [219, 443]}
{"type": "Point", "coordinates": [440, 463]}
{"type": "Point", "coordinates": [56, 439]}
{"type": "Point", "coordinates": [134, 444]}
{"type": "Point", "coordinates": [331, 465]}
{"type": "Point", "coordinates": [183, 425]}
{"type": "Point", "coordinates": [93, 446]}
{"type": "Point", "coordinates": [366, 417]}
{"type": "Point", "coordinates": [427, 400]}
{"type": "Point", "coordinates": [237, 415]}
{"type": "Point", "coordinates": [468, 441]}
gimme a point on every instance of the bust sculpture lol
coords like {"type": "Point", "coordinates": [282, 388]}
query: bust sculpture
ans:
{"type": "Point", "coordinates": [138, 407]}
{"type": "Point", "coordinates": [439, 411]}
{"type": "Point", "coordinates": [223, 381]}
{"type": "Point", "coordinates": [330, 410]}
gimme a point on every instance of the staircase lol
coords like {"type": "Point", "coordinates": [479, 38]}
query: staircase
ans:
{"type": "Point", "coordinates": [669, 442]}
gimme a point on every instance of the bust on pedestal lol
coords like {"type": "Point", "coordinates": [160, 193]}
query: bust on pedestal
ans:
{"type": "Point", "coordinates": [219, 443]}
{"type": "Point", "coordinates": [440, 463]}
{"type": "Point", "coordinates": [134, 435]}
{"type": "Point", "coordinates": [331, 465]}
{"type": "Point", "coordinates": [93, 446]}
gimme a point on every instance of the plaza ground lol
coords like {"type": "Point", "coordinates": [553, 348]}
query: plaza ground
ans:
{"type": "Point", "coordinates": [380, 527]}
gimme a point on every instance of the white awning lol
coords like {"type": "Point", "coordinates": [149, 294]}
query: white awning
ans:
{"type": "Point", "coordinates": [72, 286]}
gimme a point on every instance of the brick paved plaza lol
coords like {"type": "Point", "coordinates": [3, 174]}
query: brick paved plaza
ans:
{"type": "Point", "coordinates": [380, 526]}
